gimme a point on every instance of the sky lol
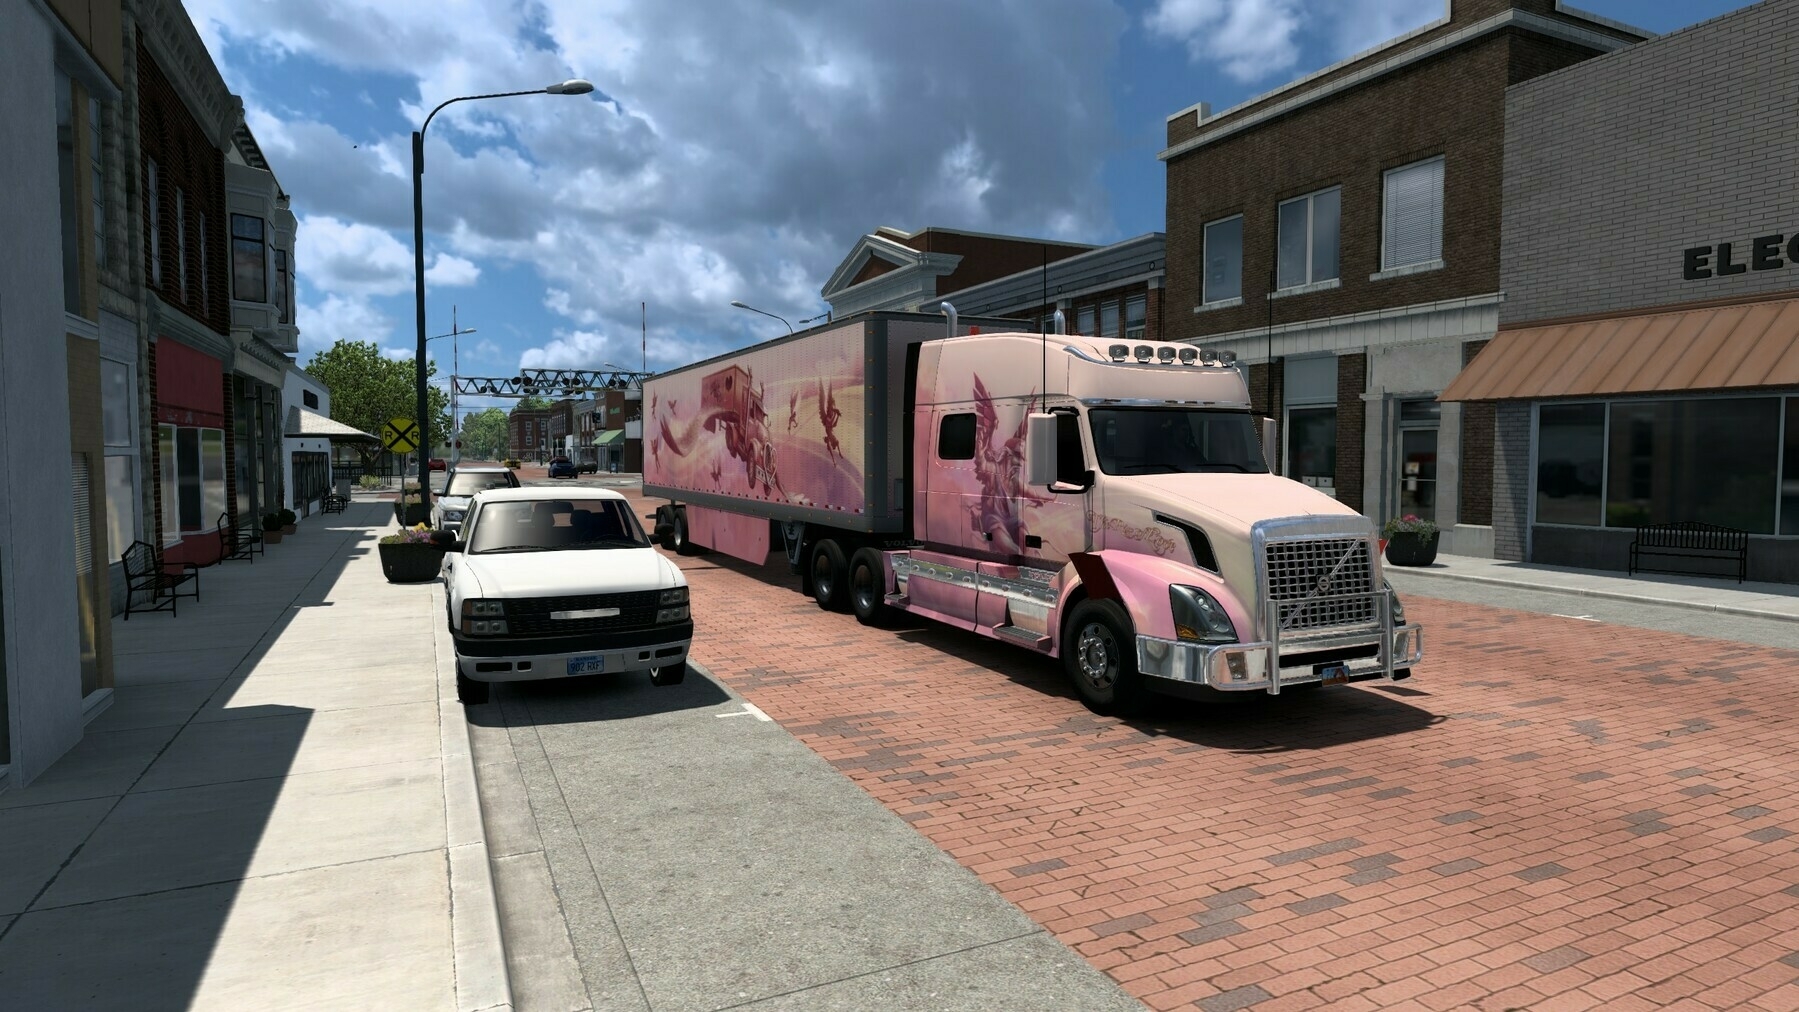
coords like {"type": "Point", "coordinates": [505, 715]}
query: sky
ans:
{"type": "Point", "coordinates": [731, 149]}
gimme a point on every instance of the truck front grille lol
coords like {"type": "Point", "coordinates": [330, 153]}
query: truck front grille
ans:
{"type": "Point", "coordinates": [530, 616]}
{"type": "Point", "coordinates": [1300, 571]}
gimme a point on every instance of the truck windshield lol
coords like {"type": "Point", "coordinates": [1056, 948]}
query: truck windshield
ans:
{"type": "Point", "coordinates": [555, 525]}
{"type": "Point", "coordinates": [1176, 441]}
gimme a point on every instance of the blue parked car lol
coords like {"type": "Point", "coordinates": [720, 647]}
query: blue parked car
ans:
{"type": "Point", "coordinates": [562, 467]}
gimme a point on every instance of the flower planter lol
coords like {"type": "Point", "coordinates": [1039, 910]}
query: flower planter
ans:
{"type": "Point", "coordinates": [412, 514]}
{"type": "Point", "coordinates": [1408, 549]}
{"type": "Point", "coordinates": [414, 563]}
{"type": "Point", "coordinates": [290, 528]}
{"type": "Point", "coordinates": [271, 537]}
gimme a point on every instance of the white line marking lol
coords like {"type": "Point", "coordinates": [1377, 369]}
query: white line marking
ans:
{"type": "Point", "coordinates": [749, 710]}
{"type": "Point", "coordinates": [1577, 618]}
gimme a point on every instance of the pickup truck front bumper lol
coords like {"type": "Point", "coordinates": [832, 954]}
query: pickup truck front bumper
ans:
{"type": "Point", "coordinates": [1175, 665]}
{"type": "Point", "coordinates": [525, 659]}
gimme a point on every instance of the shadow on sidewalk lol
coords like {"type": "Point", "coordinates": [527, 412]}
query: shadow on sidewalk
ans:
{"type": "Point", "coordinates": [597, 697]}
{"type": "Point", "coordinates": [125, 861]}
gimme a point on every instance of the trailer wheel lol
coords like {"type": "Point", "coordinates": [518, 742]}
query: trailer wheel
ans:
{"type": "Point", "coordinates": [830, 576]}
{"type": "Point", "coordinates": [1100, 655]}
{"type": "Point", "coordinates": [678, 541]}
{"type": "Point", "coordinates": [868, 588]}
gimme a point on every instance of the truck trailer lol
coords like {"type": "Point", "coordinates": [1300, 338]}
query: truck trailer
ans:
{"type": "Point", "coordinates": [1108, 503]}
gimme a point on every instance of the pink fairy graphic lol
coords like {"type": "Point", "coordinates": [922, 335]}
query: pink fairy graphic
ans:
{"type": "Point", "coordinates": [1000, 471]}
{"type": "Point", "coordinates": [793, 411]}
{"type": "Point", "coordinates": [829, 415]}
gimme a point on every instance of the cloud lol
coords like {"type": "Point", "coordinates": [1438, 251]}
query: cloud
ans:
{"type": "Point", "coordinates": [356, 260]}
{"type": "Point", "coordinates": [1253, 40]}
{"type": "Point", "coordinates": [334, 318]}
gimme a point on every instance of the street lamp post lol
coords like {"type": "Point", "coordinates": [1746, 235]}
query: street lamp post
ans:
{"type": "Point", "coordinates": [573, 86]}
{"type": "Point", "coordinates": [753, 309]}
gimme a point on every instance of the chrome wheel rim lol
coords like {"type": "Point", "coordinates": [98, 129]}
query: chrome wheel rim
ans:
{"type": "Point", "coordinates": [1096, 652]}
{"type": "Point", "coordinates": [863, 582]}
{"type": "Point", "coordinates": [821, 577]}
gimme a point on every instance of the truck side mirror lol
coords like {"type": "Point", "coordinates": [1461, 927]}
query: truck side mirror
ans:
{"type": "Point", "coordinates": [1269, 452]}
{"type": "Point", "coordinates": [1040, 450]}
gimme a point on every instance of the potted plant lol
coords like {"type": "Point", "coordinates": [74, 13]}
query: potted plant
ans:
{"type": "Point", "coordinates": [271, 528]}
{"type": "Point", "coordinates": [1411, 541]}
{"type": "Point", "coordinates": [411, 555]}
{"type": "Point", "coordinates": [290, 522]}
{"type": "Point", "coordinates": [369, 483]}
{"type": "Point", "coordinates": [411, 510]}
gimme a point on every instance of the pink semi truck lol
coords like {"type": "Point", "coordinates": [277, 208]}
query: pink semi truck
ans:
{"type": "Point", "coordinates": [1103, 502]}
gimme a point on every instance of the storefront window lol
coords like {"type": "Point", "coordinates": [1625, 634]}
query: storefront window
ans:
{"type": "Point", "coordinates": [1085, 327]}
{"type": "Point", "coordinates": [1312, 447]}
{"type": "Point", "coordinates": [121, 506]}
{"type": "Point", "coordinates": [1570, 463]}
{"type": "Point", "coordinates": [1789, 471]}
{"type": "Point", "coordinates": [170, 465]}
{"type": "Point", "coordinates": [1418, 422]}
{"type": "Point", "coordinates": [1711, 461]}
{"type": "Point", "coordinates": [212, 476]}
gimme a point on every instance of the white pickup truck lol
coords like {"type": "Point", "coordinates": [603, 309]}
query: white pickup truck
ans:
{"type": "Point", "coordinates": [559, 583]}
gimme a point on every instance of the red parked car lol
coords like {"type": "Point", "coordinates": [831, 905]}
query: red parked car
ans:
{"type": "Point", "coordinates": [436, 464]}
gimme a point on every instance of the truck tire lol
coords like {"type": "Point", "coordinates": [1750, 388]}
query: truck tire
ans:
{"type": "Point", "coordinates": [1099, 653]}
{"type": "Point", "coordinates": [830, 576]}
{"type": "Point", "coordinates": [679, 543]}
{"type": "Point", "coordinates": [470, 692]}
{"type": "Point", "coordinates": [868, 588]}
{"type": "Point", "coordinates": [668, 674]}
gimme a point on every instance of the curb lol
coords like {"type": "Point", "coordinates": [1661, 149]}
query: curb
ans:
{"type": "Point", "coordinates": [1615, 595]}
{"type": "Point", "coordinates": [483, 982]}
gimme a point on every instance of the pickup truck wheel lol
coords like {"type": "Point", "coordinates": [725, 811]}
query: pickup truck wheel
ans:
{"type": "Point", "coordinates": [668, 674]}
{"type": "Point", "coordinates": [830, 576]}
{"type": "Point", "coordinates": [868, 588]}
{"type": "Point", "coordinates": [1100, 655]}
{"type": "Point", "coordinates": [469, 691]}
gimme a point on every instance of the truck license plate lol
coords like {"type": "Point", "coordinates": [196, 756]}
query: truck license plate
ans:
{"type": "Point", "coordinates": [1334, 674]}
{"type": "Point", "coordinates": [586, 665]}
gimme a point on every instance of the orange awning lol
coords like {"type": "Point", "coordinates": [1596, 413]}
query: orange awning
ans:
{"type": "Point", "coordinates": [1750, 345]}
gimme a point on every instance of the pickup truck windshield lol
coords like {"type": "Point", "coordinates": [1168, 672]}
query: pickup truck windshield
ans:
{"type": "Point", "coordinates": [554, 525]}
{"type": "Point", "coordinates": [1176, 441]}
{"type": "Point", "coordinates": [467, 483]}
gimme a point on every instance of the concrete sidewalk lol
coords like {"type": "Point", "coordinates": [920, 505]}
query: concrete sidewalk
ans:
{"type": "Point", "coordinates": [1756, 600]}
{"type": "Point", "coordinates": [277, 810]}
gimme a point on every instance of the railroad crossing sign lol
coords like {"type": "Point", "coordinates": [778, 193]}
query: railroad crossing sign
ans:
{"type": "Point", "coordinates": [400, 435]}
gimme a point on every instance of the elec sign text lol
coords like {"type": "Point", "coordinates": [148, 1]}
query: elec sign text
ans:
{"type": "Point", "coordinates": [1701, 262]}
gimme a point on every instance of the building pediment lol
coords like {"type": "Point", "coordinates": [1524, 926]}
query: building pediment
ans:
{"type": "Point", "coordinates": [873, 251]}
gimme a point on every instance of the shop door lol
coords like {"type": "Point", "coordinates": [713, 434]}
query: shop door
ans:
{"type": "Point", "coordinates": [1418, 426]}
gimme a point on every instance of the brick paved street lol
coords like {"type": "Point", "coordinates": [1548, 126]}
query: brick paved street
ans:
{"type": "Point", "coordinates": [1555, 814]}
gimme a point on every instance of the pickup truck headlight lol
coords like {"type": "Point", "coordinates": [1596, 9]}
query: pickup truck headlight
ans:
{"type": "Point", "coordinates": [1198, 617]}
{"type": "Point", "coordinates": [674, 595]}
{"type": "Point", "coordinates": [483, 617]}
{"type": "Point", "coordinates": [1397, 608]}
{"type": "Point", "coordinates": [677, 613]}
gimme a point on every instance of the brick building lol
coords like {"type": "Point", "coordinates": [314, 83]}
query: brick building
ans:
{"type": "Point", "coordinates": [1341, 235]}
{"type": "Point", "coordinates": [528, 433]}
{"type": "Point", "coordinates": [1113, 291]}
{"type": "Point", "coordinates": [1646, 368]}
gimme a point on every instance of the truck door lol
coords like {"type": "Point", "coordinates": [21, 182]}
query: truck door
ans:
{"type": "Point", "coordinates": [952, 480]}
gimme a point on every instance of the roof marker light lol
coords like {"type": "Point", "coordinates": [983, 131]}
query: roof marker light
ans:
{"type": "Point", "coordinates": [1208, 356]}
{"type": "Point", "coordinates": [1188, 355]}
{"type": "Point", "coordinates": [1144, 351]}
{"type": "Point", "coordinates": [1165, 355]}
{"type": "Point", "coordinates": [1227, 358]}
{"type": "Point", "coordinates": [1119, 352]}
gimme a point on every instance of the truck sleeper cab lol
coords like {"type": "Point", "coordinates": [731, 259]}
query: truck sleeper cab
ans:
{"type": "Point", "coordinates": [1111, 507]}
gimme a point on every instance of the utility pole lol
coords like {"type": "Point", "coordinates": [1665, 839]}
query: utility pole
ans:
{"type": "Point", "coordinates": [455, 420]}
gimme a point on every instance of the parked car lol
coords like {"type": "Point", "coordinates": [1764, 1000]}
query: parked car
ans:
{"type": "Point", "coordinates": [450, 506]}
{"type": "Point", "coordinates": [521, 607]}
{"type": "Point", "coordinates": [562, 467]}
{"type": "Point", "coordinates": [436, 464]}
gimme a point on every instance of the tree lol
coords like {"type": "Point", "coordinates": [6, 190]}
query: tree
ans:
{"type": "Point", "coordinates": [533, 403]}
{"type": "Point", "coordinates": [485, 434]}
{"type": "Point", "coordinates": [368, 388]}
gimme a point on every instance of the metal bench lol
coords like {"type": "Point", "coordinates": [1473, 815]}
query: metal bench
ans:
{"type": "Point", "coordinates": [241, 540]}
{"type": "Point", "coordinates": [1690, 540]}
{"type": "Point", "coordinates": [145, 572]}
{"type": "Point", "coordinates": [335, 503]}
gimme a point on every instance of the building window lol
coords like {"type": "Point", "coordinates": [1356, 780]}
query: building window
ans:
{"type": "Point", "coordinates": [121, 505]}
{"type": "Point", "coordinates": [282, 303]}
{"type": "Point", "coordinates": [169, 483]}
{"type": "Point", "coordinates": [181, 241]}
{"type": "Point", "coordinates": [1412, 217]}
{"type": "Point", "coordinates": [1418, 422]}
{"type": "Point", "coordinates": [117, 429]}
{"type": "Point", "coordinates": [1224, 260]}
{"type": "Point", "coordinates": [1713, 460]}
{"type": "Point", "coordinates": [1312, 447]}
{"type": "Point", "coordinates": [1108, 318]}
{"type": "Point", "coordinates": [205, 289]}
{"type": "Point", "coordinates": [310, 399]}
{"type": "Point", "coordinates": [1570, 463]}
{"type": "Point", "coordinates": [1084, 323]}
{"type": "Point", "coordinates": [1136, 315]}
{"type": "Point", "coordinates": [97, 173]}
{"type": "Point", "coordinates": [153, 204]}
{"type": "Point", "coordinates": [1789, 472]}
{"type": "Point", "coordinates": [249, 260]}
{"type": "Point", "coordinates": [955, 437]}
{"type": "Point", "coordinates": [68, 205]}
{"type": "Point", "coordinates": [193, 479]}
{"type": "Point", "coordinates": [1308, 238]}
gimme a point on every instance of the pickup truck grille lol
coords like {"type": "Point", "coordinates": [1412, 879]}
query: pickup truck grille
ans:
{"type": "Point", "coordinates": [1295, 569]}
{"type": "Point", "coordinates": [530, 616]}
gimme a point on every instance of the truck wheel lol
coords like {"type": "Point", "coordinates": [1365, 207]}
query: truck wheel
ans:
{"type": "Point", "coordinates": [668, 674]}
{"type": "Point", "coordinates": [868, 588]}
{"type": "Point", "coordinates": [830, 576]}
{"type": "Point", "coordinates": [1100, 655]}
{"type": "Point", "coordinates": [469, 691]}
{"type": "Point", "coordinates": [678, 540]}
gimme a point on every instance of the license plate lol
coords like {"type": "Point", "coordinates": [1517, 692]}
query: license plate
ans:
{"type": "Point", "coordinates": [586, 665]}
{"type": "Point", "coordinates": [1334, 674]}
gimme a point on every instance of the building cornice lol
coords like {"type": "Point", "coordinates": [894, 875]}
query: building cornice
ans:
{"type": "Point", "coordinates": [1512, 18]}
{"type": "Point", "coordinates": [75, 59]}
{"type": "Point", "coordinates": [167, 321]}
{"type": "Point", "coordinates": [175, 44]}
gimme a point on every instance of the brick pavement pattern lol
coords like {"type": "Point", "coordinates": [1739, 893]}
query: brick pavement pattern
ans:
{"type": "Point", "coordinates": [1553, 815]}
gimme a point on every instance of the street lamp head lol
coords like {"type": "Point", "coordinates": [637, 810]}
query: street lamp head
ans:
{"type": "Point", "coordinates": [572, 86]}
{"type": "Point", "coordinates": [738, 305]}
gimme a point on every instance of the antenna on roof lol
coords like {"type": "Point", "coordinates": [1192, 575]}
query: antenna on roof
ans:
{"type": "Point", "coordinates": [1045, 325]}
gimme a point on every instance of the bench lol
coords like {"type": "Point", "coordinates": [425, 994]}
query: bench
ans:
{"type": "Point", "coordinates": [145, 572]}
{"type": "Point", "coordinates": [240, 540]}
{"type": "Point", "coordinates": [335, 503]}
{"type": "Point", "coordinates": [1690, 540]}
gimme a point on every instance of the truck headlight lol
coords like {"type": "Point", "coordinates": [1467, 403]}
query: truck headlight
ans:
{"type": "Point", "coordinates": [674, 595]}
{"type": "Point", "coordinates": [1198, 617]}
{"type": "Point", "coordinates": [678, 613]}
{"type": "Point", "coordinates": [1393, 602]}
{"type": "Point", "coordinates": [484, 617]}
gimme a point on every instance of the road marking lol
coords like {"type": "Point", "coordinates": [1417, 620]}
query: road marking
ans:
{"type": "Point", "coordinates": [1577, 618]}
{"type": "Point", "coordinates": [749, 710]}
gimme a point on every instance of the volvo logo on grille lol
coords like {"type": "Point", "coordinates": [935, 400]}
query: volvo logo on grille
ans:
{"type": "Point", "coordinates": [1324, 583]}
